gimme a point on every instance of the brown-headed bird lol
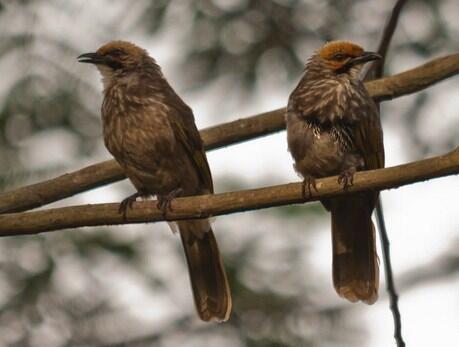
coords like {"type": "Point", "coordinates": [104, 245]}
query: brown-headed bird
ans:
{"type": "Point", "coordinates": [152, 134]}
{"type": "Point", "coordinates": [333, 128]}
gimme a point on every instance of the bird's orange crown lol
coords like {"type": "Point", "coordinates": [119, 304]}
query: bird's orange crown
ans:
{"type": "Point", "coordinates": [122, 46]}
{"type": "Point", "coordinates": [335, 48]}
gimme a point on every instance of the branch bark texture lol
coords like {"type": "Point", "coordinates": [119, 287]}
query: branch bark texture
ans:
{"type": "Point", "coordinates": [225, 203]}
{"type": "Point", "coordinates": [97, 175]}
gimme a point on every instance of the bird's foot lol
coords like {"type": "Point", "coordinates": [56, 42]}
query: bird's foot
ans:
{"type": "Point", "coordinates": [346, 178]}
{"type": "Point", "coordinates": [164, 201]}
{"type": "Point", "coordinates": [308, 182]}
{"type": "Point", "coordinates": [127, 203]}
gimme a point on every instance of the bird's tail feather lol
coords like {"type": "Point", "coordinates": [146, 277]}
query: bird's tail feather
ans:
{"type": "Point", "coordinates": [210, 286]}
{"type": "Point", "coordinates": [355, 262]}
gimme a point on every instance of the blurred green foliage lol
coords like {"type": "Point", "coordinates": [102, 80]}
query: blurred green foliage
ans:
{"type": "Point", "coordinates": [237, 37]}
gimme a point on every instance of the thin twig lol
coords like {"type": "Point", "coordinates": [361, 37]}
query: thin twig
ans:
{"type": "Point", "coordinates": [97, 175]}
{"type": "Point", "coordinates": [393, 296]}
{"type": "Point", "coordinates": [213, 205]}
{"type": "Point", "coordinates": [376, 71]}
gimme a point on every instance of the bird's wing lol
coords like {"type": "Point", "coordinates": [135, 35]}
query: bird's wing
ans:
{"type": "Point", "coordinates": [368, 139]}
{"type": "Point", "coordinates": [187, 134]}
{"type": "Point", "coordinates": [366, 131]}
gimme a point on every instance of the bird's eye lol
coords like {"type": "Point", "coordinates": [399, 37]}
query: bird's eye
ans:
{"type": "Point", "coordinates": [116, 53]}
{"type": "Point", "coordinates": [339, 56]}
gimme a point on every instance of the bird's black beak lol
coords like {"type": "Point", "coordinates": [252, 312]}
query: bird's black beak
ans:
{"type": "Point", "coordinates": [99, 59]}
{"type": "Point", "coordinates": [92, 58]}
{"type": "Point", "coordinates": [364, 58]}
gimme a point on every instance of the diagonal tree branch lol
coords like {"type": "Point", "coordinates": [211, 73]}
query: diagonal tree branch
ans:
{"type": "Point", "coordinates": [97, 175]}
{"type": "Point", "coordinates": [225, 203]}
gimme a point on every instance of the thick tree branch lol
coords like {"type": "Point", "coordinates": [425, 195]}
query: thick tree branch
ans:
{"type": "Point", "coordinates": [225, 203]}
{"type": "Point", "coordinates": [414, 80]}
{"type": "Point", "coordinates": [39, 194]}
{"type": "Point", "coordinates": [61, 187]}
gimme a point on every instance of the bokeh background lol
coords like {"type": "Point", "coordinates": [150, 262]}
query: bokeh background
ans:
{"type": "Point", "coordinates": [128, 285]}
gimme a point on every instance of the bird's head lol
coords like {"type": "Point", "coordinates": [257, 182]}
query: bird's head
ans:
{"type": "Point", "coordinates": [344, 57]}
{"type": "Point", "coordinates": [117, 58]}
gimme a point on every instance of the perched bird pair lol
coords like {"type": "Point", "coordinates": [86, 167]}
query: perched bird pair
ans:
{"type": "Point", "coordinates": [333, 128]}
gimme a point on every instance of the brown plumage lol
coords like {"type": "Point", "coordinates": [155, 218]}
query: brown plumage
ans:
{"type": "Point", "coordinates": [333, 128]}
{"type": "Point", "coordinates": [151, 133]}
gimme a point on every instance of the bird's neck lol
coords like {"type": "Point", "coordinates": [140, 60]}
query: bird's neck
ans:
{"type": "Point", "coordinates": [132, 91]}
{"type": "Point", "coordinates": [324, 96]}
{"type": "Point", "coordinates": [129, 80]}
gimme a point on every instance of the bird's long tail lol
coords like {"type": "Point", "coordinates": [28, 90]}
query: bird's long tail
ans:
{"type": "Point", "coordinates": [210, 286]}
{"type": "Point", "coordinates": [355, 261]}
